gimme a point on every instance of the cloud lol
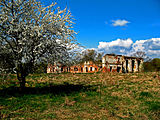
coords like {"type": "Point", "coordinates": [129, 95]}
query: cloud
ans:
{"type": "Point", "coordinates": [150, 46]}
{"type": "Point", "coordinates": [117, 46]}
{"type": "Point", "coordinates": [127, 47]}
{"type": "Point", "coordinates": [119, 22]}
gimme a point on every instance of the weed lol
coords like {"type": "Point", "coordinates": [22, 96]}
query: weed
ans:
{"type": "Point", "coordinates": [153, 105]}
{"type": "Point", "coordinates": [146, 94]}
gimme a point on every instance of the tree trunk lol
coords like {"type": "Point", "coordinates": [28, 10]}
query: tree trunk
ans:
{"type": "Point", "coordinates": [22, 80]}
{"type": "Point", "coordinates": [21, 76]}
{"type": "Point", "coordinates": [22, 83]}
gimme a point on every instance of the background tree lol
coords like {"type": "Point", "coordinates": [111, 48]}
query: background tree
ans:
{"type": "Point", "coordinates": [32, 34]}
{"type": "Point", "coordinates": [91, 55]}
{"type": "Point", "coordinates": [153, 65]}
{"type": "Point", "coordinates": [148, 67]}
{"type": "Point", "coordinates": [40, 67]}
{"type": "Point", "coordinates": [99, 58]}
{"type": "Point", "coordinates": [88, 55]}
{"type": "Point", "coordinates": [6, 62]}
{"type": "Point", "coordinates": [156, 64]}
{"type": "Point", "coordinates": [141, 54]}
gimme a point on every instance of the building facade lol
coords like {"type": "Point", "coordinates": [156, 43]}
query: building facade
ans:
{"type": "Point", "coordinates": [86, 67]}
{"type": "Point", "coordinates": [55, 68]}
{"type": "Point", "coordinates": [119, 63]}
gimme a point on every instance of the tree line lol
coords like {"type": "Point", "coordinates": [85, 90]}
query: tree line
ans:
{"type": "Point", "coordinates": [149, 65]}
{"type": "Point", "coordinates": [152, 66]}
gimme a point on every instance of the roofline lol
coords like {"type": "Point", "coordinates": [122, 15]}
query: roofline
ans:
{"type": "Point", "coordinates": [123, 56]}
{"type": "Point", "coordinates": [132, 57]}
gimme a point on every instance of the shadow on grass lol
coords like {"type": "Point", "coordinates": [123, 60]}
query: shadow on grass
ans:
{"type": "Point", "coordinates": [61, 89]}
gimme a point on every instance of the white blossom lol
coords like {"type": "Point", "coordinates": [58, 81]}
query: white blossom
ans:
{"type": "Point", "coordinates": [33, 32]}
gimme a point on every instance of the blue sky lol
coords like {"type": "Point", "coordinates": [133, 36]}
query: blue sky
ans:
{"type": "Point", "coordinates": [106, 21]}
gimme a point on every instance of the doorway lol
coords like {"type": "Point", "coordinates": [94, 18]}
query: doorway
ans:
{"type": "Point", "coordinates": [86, 69]}
{"type": "Point", "coordinates": [126, 66]}
{"type": "Point", "coordinates": [81, 69]}
{"type": "Point", "coordinates": [118, 69]}
{"type": "Point", "coordinates": [90, 68]}
{"type": "Point", "coordinates": [110, 68]}
{"type": "Point", "coordinates": [133, 62]}
{"type": "Point", "coordinates": [139, 62]}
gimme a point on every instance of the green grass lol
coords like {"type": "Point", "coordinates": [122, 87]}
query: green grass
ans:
{"type": "Point", "coordinates": [81, 96]}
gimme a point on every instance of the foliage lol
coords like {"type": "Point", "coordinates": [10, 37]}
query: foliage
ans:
{"type": "Point", "coordinates": [91, 55]}
{"type": "Point", "coordinates": [31, 34]}
{"type": "Point", "coordinates": [156, 63]}
{"type": "Point", "coordinates": [40, 68]}
{"type": "Point", "coordinates": [153, 65]}
{"type": "Point", "coordinates": [6, 62]}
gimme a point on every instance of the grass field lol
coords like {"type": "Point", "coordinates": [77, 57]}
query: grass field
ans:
{"type": "Point", "coordinates": [98, 96]}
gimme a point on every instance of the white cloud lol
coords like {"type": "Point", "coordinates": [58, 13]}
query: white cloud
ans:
{"type": "Point", "coordinates": [120, 22]}
{"type": "Point", "coordinates": [116, 46]}
{"type": "Point", "coordinates": [126, 47]}
{"type": "Point", "coordinates": [122, 50]}
{"type": "Point", "coordinates": [149, 44]}
{"type": "Point", "coordinates": [138, 45]}
{"type": "Point", "coordinates": [154, 52]}
{"type": "Point", "coordinates": [119, 42]}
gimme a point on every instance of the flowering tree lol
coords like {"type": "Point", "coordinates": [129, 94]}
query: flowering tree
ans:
{"type": "Point", "coordinates": [32, 33]}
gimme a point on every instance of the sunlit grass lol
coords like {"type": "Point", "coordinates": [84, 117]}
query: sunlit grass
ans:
{"type": "Point", "coordinates": [82, 96]}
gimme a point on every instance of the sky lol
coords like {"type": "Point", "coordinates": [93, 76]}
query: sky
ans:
{"type": "Point", "coordinates": [116, 26]}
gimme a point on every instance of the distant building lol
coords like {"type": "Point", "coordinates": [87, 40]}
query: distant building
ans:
{"type": "Point", "coordinates": [86, 67]}
{"type": "Point", "coordinates": [119, 63]}
{"type": "Point", "coordinates": [55, 68]}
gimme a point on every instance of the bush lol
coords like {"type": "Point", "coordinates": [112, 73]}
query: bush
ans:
{"type": "Point", "coordinates": [152, 66]}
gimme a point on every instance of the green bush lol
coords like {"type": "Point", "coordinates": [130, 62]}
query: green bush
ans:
{"type": "Point", "coordinates": [152, 66]}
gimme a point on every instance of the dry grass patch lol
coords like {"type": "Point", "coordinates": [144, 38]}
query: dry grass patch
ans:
{"type": "Point", "coordinates": [98, 96]}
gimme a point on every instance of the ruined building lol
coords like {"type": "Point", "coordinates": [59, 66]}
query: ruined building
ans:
{"type": "Point", "coordinates": [119, 63]}
{"type": "Point", "coordinates": [110, 63]}
{"type": "Point", "coordinates": [55, 68]}
{"type": "Point", "coordinates": [86, 67]}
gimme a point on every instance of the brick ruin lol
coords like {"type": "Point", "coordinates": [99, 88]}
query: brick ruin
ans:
{"type": "Point", "coordinates": [86, 67]}
{"type": "Point", "coordinates": [119, 63]}
{"type": "Point", "coordinates": [110, 63]}
{"type": "Point", "coordinates": [55, 68]}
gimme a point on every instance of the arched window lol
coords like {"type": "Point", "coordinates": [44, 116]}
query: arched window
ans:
{"type": "Point", "coordinates": [81, 69]}
{"type": "Point", "coordinates": [75, 69]}
{"type": "Point", "coordinates": [90, 68]}
{"type": "Point", "coordinates": [61, 69]}
{"type": "Point", "coordinates": [86, 69]}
